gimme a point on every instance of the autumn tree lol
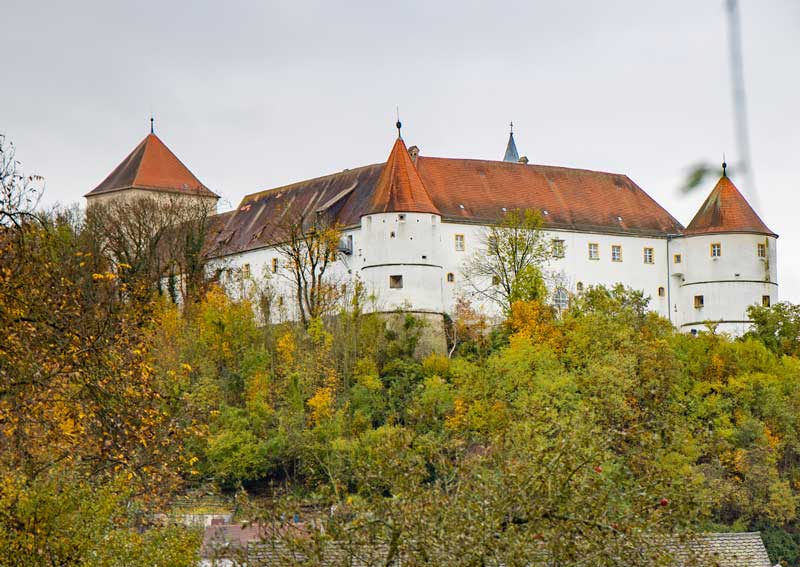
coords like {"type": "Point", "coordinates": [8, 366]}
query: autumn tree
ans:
{"type": "Point", "coordinates": [159, 240]}
{"type": "Point", "coordinates": [509, 264]}
{"type": "Point", "coordinates": [309, 244]}
{"type": "Point", "coordinates": [19, 193]}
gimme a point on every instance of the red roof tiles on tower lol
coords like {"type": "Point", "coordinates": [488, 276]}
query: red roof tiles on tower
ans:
{"type": "Point", "coordinates": [400, 188]}
{"type": "Point", "coordinates": [726, 210]}
{"type": "Point", "coordinates": [151, 166]}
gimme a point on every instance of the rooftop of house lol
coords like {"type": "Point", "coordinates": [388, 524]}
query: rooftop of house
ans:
{"type": "Point", "coordinates": [152, 166]}
{"type": "Point", "coordinates": [726, 210]}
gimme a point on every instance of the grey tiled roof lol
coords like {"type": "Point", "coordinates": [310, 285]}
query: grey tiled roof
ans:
{"type": "Point", "coordinates": [721, 550]}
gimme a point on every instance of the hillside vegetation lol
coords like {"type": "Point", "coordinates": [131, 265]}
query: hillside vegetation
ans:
{"type": "Point", "coordinates": [585, 435]}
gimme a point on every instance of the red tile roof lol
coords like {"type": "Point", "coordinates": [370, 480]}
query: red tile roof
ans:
{"type": "Point", "coordinates": [399, 188]}
{"type": "Point", "coordinates": [461, 190]}
{"type": "Point", "coordinates": [152, 166]}
{"type": "Point", "coordinates": [577, 199]}
{"type": "Point", "coordinates": [726, 210]}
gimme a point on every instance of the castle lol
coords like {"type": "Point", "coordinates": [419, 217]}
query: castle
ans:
{"type": "Point", "coordinates": [408, 225]}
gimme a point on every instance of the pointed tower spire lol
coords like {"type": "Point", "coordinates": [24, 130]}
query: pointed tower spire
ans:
{"type": "Point", "coordinates": [511, 148]}
{"type": "Point", "coordinates": [152, 166]}
{"type": "Point", "coordinates": [726, 210]}
{"type": "Point", "coordinates": [399, 188]}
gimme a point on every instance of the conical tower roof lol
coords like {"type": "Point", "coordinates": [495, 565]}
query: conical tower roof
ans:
{"type": "Point", "coordinates": [399, 188]}
{"type": "Point", "coordinates": [726, 210]}
{"type": "Point", "coordinates": [511, 150]}
{"type": "Point", "coordinates": [152, 166]}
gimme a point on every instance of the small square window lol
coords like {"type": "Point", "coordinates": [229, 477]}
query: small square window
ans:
{"type": "Point", "coordinates": [616, 253]}
{"type": "Point", "coordinates": [459, 240]}
{"type": "Point", "coordinates": [558, 248]}
{"type": "Point", "coordinates": [401, 218]}
{"type": "Point", "coordinates": [762, 250]}
{"type": "Point", "coordinates": [396, 282]}
{"type": "Point", "coordinates": [698, 301]}
{"type": "Point", "coordinates": [677, 258]}
{"type": "Point", "coordinates": [451, 277]}
{"type": "Point", "coordinates": [594, 251]}
{"type": "Point", "coordinates": [648, 255]}
{"type": "Point", "coordinates": [716, 250]}
{"type": "Point", "coordinates": [765, 301]}
{"type": "Point", "coordinates": [274, 265]}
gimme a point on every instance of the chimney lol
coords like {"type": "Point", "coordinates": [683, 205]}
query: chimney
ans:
{"type": "Point", "coordinates": [523, 160]}
{"type": "Point", "coordinates": [413, 151]}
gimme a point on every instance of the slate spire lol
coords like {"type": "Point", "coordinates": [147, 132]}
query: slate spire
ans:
{"type": "Point", "coordinates": [511, 148]}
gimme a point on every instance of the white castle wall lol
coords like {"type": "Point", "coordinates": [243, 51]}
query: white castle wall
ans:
{"type": "Point", "coordinates": [729, 284]}
{"type": "Point", "coordinates": [423, 251]}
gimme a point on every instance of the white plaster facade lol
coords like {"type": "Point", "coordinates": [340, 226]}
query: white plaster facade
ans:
{"type": "Point", "coordinates": [422, 249]}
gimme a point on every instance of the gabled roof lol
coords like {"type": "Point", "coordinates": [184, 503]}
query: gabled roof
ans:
{"type": "Point", "coordinates": [511, 150]}
{"type": "Point", "coordinates": [399, 188]}
{"type": "Point", "coordinates": [460, 190]}
{"type": "Point", "coordinates": [152, 166]}
{"type": "Point", "coordinates": [726, 210]}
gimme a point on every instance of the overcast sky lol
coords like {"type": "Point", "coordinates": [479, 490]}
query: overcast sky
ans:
{"type": "Point", "coordinates": [251, 95]}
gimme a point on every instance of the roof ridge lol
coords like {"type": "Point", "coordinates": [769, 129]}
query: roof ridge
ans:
{"type": "Point", "coordinates": [297, 184]}
{"type": "Point", "coordinates": [511, 164]}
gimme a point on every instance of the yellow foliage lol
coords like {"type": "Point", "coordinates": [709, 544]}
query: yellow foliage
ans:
{"type": "Point", "coordinates": [535, 321]}
{"type": "Point", "coordinates": [321, 405]}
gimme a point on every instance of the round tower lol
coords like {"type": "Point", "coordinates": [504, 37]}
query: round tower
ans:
{"type": "Point", "coordinates": [400, 236]}
{"type": "Point", "coordinates": [728, 262]}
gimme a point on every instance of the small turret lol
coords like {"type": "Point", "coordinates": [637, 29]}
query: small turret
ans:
{"type": "Point", "coordinates": [511, 148]}
{"type": "Point", "coordinates": [729, 258]}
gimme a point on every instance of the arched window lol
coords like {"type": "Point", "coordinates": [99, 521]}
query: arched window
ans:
{"type": "Point", "coordinates": [579, 287]}
{"type": "Point", "coordinates": [451, 277]}
{"type": "Point", "coordinates": [661, 291]}
{"type": "Point", "coordinates": [561, 298]}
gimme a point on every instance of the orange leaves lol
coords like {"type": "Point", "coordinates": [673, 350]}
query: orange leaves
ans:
{"type": "Point", "coordinates": [321, 405]}
{"type": "Point", "coordinates": [535, 321]}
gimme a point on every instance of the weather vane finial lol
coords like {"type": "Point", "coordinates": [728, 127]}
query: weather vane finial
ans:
{"type": "Point", "coordinates": [724, 166]}
{"type": "Point", "coordinates": [152, 127]}
{"type": "Point", "coordinates": [399, 124]}
{"type": "Point", "coordinates": [511, 124]}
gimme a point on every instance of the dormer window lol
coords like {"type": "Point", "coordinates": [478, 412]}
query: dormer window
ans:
{"type": "Point", "coordinates": [716, 250]}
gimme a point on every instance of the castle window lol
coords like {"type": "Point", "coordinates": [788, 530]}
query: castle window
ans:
{"type": "Point", "coordinates": [392, 234]}
{"type": "Point", "coordinates": [762, 250]}
{"type": "Point", "coordinates": [495, 280]}
{"type": "Point", "coordinates": [558, 248]}
{"type": "Point", "coordinates": [616, 253]}
{"type": "Point", "coordinates": [716, 250]}
{"type": "Point", "coordinates": [451, 277]}
{"type": "Point", "coordinates": [661, 291]}
{"type": "Point", "coordinates": [396, 282]}
{"type": "Point", "coordinates": [459, 240]}
{"type": "Point", "coordinates": [401, 218]}
{"type": "Point", "coordinates": [648, 255]}
{"type": "Point", "coordinates": [594, 251]}
{"type": "Point", "coordinates": [698, 302]}
{"type": "Point", "coordinates": [765, 301]}
{"type": "Point", "coordinates": [561, 298]}
{"type": "Point", "coordinates": [274, 265]}
{"type": "Point", "coordinates": [245, 270]}
{"type": "Point", "coordinates": [579, 287]}
{"type": "Point", "coordinates": [677, 258]}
